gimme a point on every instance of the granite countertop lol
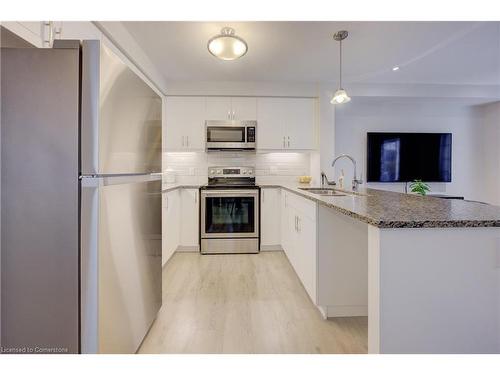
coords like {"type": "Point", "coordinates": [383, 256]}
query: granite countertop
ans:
{"type": "Point", "coordinates": [386, 209]}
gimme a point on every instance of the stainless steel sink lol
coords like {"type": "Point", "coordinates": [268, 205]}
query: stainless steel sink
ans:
{"type": "Point", "coordinates": [324, 191]}
{"type": "Point", "coordinates": [331, 192]}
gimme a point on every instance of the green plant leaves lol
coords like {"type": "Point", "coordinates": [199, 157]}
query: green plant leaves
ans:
{"type": "Point", "coordinates": [419, 187]}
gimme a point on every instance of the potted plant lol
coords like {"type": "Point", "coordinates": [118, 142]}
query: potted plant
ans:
{"type": "Point", "coordinates": [419, 187]}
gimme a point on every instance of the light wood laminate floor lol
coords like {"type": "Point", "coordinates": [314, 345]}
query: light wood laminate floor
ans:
{"type": "Point", "coordinates": [244, 304]}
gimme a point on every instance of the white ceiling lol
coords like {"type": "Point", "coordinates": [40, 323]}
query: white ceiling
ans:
{"type": "Point", "coordinates": [427, 52]}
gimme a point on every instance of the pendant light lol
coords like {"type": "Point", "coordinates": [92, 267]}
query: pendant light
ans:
{"type": "Point", "coordinates": [340, 96]}
{"type": "Point", "coordinates": [226, 45]}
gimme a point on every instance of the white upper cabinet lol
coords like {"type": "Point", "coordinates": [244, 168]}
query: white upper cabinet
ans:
{"type": "Point", "coordinates": [185, 123]}
{"type": "Point", "coordinates": [218, 108]}
{"type": "Point", "coordinates": [300, 124]}
{"type": "Point", "coordinates": [244, 108]}
{"type": "Point", "coordinates": [231, 108]}
{"type": "Point", "coordinates": [270, 124]}
{"type": "Point", "coordinates": [286, 124]}
{"type": "Point", "coordinates": [282, 123]}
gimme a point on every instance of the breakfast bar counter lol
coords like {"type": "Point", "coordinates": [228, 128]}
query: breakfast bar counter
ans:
{"type": "Point", "coordinates": [425, 270]}
{"type": "Point", "coordinates": [387, 209]}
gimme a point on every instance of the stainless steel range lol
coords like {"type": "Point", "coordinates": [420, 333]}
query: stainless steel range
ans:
{"type": "Point", "coordinates": [229, 213]}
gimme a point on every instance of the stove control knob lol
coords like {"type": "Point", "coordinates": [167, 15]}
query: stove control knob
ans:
{"type": "Point", "coordinates": [219, 171]}
{"type": "Point", "coordinates": [244, 172]}
{"type": "Point", "coordinates": [250, 172]}
{"type": "Point", "coordinates": [212, 171]}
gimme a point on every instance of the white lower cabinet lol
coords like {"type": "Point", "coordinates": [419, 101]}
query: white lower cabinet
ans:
{"type": "Point", "coordinates": [270, 216]}
{"type": "Point", "coordinates": [170, 224]}
{"type": "Point", "coordinates": [286, 230]}
{"type": "Point", "coordinates": [189, 217]}
{"type": "Point", "coordinates": [180, 221]}
{"type": "Point", "coordinates": [299, 238]}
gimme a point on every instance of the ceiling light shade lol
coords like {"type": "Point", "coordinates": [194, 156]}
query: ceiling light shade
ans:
{"type": "Point", "coordinates": [226, 45]}
{"type": "Point", "coordinates": [340, 97]}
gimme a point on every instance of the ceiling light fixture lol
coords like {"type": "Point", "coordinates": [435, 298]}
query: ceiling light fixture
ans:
{"type": "Point", "coordinates": [226, 45]}
{"type": "Point", "coordinates": [395, 68]}
{"type": "Point", "coordinates": [340, 95]}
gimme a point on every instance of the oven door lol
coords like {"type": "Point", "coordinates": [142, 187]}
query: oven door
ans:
{"type": "Point", "coordinates": [230, 213]}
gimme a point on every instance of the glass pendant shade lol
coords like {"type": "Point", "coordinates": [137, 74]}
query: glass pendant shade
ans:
{"type": "Point", "coordinates": [340, 97]}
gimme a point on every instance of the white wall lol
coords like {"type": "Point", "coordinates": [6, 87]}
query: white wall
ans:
{"type": "Point", "coordinates": [363, 115]}
{"type": "Point", "coordinates": [490, 166]}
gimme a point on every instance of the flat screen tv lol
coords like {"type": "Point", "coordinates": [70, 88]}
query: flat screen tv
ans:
{"type": "Point", "coordinates": [404, 157]}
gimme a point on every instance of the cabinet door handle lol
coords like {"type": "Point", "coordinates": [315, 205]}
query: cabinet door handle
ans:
{"type": "Point", "coordinates": [298, 224]}
{"type": "Point", "coordinates": [233, 114]}
{"type": "Point", "coordinates": [182, 141]}
{"type": "Point", "coordinates": [187, 140]}
{"type": "Point", "coordinates": [167, 201]}
{"type": "Point", "coordinates": [263, 195]}
{"type": "Point", "coordinates": [284, 145]}
{"type": "Point", "coordinates": [195, 197]}
{"type": "Point", "coordinates": [228, 115]}
{"type": "Point", "coordinates": [288, 141]}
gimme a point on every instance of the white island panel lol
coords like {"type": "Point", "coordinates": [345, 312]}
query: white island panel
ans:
{"type": "Point", "coordinates": [433, 290]}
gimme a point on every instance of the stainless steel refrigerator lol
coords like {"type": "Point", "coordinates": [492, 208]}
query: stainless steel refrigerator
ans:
{"type": "Point", "coordinates": [80, 201]}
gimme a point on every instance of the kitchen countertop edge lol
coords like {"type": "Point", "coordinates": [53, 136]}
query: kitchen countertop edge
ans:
{"type": "Point", "coordinates": [388, 224]}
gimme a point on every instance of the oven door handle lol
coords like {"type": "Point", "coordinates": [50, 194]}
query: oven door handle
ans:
{"type": "Point", "coordinates": [231, 193]}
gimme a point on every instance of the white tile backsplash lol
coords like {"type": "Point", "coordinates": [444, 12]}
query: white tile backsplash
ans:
{"type": "Point", "coordinates": [272, 167]}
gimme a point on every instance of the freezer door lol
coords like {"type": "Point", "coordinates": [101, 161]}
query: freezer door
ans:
{"type": "Point", "coordinates": [121, 116]}
{"type": "Point", "coordinates": [121, 262]}
{"type": "Point", "coordinates": [39, 198]}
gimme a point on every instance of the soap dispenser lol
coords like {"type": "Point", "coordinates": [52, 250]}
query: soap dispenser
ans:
{"type": "Point", "coordinates": [341, 179]}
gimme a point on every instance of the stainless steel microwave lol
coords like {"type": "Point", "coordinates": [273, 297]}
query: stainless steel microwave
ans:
{"type": "Point", "coordinates": [230, 135]}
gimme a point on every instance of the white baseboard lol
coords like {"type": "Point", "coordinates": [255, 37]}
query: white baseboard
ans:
{"type": "Point", "coordinates": [322, 311]}
{"type": "Point", "coordinates": [188, 249]}
{"type": "Point", "coordinates": [271, 248]}
{"type": "Point", "coordinates": [346, 311]}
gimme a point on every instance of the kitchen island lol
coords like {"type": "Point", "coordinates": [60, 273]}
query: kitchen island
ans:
{"type": "Point", "coordinates": [425, 270]}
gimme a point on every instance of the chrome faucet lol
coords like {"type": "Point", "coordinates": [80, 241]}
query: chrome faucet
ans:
{"type": "Point", "coordinates": [355, 180]}
{"type": "Point", "coordinates": [324, 179]}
